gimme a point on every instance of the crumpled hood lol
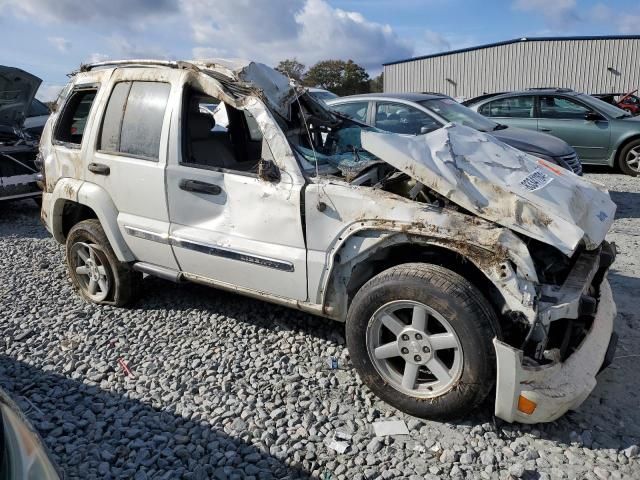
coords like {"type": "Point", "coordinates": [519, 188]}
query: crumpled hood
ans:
{"type": "Point", "coordinates": [501, 184]}
{"type": "Point", "coordinates": [17, 89]}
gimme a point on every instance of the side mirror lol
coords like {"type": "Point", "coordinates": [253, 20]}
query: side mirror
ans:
{"type": "Point", "coordinates": [593, 116]}
{"type": "Point", "coordinates": [268, 171]}
{"type": "Point", "coordinates": [424, 129]}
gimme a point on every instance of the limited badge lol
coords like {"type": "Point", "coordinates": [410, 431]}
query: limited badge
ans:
{"type": "Point", "coordinates": [536, 180]}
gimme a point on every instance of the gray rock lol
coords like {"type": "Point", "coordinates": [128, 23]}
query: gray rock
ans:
{"type": "Point", "coordinates": [517, 470]}
{"type": "Point", "coordinates": [375, 445]}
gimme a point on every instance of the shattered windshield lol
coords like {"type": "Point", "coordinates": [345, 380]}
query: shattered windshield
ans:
{"type": "Point", "coordinates": [341, 147]}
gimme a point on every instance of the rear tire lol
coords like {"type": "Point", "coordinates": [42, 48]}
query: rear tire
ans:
{"type": "Point", "coordinates": [629, 158]}
{"type": "Point", "coordinates": [439, 361]}
{"type": "Point", "coordinates": [95, 271]}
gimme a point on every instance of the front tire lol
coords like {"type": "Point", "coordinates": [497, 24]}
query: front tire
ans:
{"type": "Point", "coordinates": [420, 337]}
{"type": "Point", "coordinates": [629, 158]}
{"type": "Point", "coordinates": [95, 271]}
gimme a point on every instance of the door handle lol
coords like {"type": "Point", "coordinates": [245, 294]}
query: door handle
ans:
{"type": "Point", "coordinates": [99, 168]}
{"type": "Point", "coordinates": [200, 187]}
{"type": "Point", "coordinates": [545, 129]}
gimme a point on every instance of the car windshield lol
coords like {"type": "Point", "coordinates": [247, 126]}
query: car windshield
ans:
{"type": "Point", "coordinates": [452, 111]}
{"type": "Point", "coordinates": [604, 107]}
{"type": "Point", "coordinates": [324, 95]}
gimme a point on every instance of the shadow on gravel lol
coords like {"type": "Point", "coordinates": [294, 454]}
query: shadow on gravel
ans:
{"type": "Point", "coordinates": [162, 294]}
{"type": "Point", "coordinates": [627, 203]}
{"type": "Point", "coordinates": [94, 433]}
{"type": "Point", "coordinates": [24, 213]}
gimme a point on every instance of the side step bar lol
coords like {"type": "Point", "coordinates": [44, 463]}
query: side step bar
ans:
{"type": "Point", "coordinates": [157, 271]}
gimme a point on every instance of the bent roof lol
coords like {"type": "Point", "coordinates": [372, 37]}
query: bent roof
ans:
{"type": "Point", "coordinates": [237, 75]}
{"type": "Point", "coordinates": [516, 40]}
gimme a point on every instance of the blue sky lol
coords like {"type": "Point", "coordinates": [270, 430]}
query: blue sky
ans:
{"type": "Point", "coordinates": [51, 38]}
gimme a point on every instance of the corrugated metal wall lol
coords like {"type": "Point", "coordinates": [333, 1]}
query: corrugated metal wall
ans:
{"type": "Point", "coordinates": [578, 64]}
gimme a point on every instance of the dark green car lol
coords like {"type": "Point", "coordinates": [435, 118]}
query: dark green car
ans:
{"type": "Point", "coordinates": [601, 134]}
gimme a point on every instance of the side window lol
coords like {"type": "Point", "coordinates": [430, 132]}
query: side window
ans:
{"type": "Point", "coordinates": [401, 118]}
{"type": "Point", "coordinates": [355, 110]}
{"type": "Point", "coordinates": [218, 136]}
{"type": "Point", "coordinates": [513, 107]}
{"type": "Point", "coordinates": [561, 107]}
{"type": "Point", "coordinates": [133, 119]}
{"type": "Point", "coordinates": [37, 108]}
{"type": "Point", "coordinates": [70, 126]}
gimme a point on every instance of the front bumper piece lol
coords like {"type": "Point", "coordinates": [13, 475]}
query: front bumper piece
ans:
{"type": "Point", "coordinates": [559, 386]}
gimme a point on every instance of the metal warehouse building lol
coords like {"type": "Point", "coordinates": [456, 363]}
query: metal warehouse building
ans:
{"type": "Point", "coordinates": [586, 64]}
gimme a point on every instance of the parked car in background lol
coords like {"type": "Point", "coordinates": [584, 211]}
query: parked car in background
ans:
{"type": "Point", "coordinates": [418, 113]}
{"type": "Point", "coordinates": [18, 148]}
{"type": "Point", "coordinates": [23, 454]}
{"type": "Point", "coordinates": [626, 101]}
{"type": "Point", "coordinates": [461, 266]}
{"type": "Point", "coordinates": [321, 94]}
{"type": "Point", "coordinates": [37, 116]}
{"type": "Point", "coordinates": [601, 134]}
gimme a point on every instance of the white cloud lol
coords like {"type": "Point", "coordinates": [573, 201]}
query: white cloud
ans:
{"type": "Point", "coordinates": [48, 92]}
{"type": "Point", "coordinates": [627, 23]}
{"type": "Point", "coordinates": [60, 43]}
{"type": "Point", "coordinates": [97, 57]}
{"type": "Point", "coordinates": [558, 14]}
{"type": "Point", "coordinates": [310, 30]}
{"type": "Point", "coordinates": [436, 42]}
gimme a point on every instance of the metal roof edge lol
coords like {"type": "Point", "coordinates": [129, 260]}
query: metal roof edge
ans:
{"type": "Point", "coordinates": [515, 40]}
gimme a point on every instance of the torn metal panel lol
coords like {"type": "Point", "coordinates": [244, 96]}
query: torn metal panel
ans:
{"type": "Point", "coordinates": [501, 184]}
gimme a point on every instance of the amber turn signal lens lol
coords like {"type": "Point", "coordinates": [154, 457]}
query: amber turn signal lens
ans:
{"type": "Point", "coordinates": [525, 405]}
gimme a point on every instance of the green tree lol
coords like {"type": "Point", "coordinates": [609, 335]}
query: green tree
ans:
{"type": "Point", "coordinates": [326, 74]}
{"type": "Point", "coordinates": [338, 76]}
{"type": "Point", "coordinates": [376, 85]}
{"type": "Point", "coordinates": [292, 68]}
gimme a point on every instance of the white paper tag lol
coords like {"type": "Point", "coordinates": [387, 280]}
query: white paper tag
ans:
{"type": "Point", "coordinates": [536, 180]}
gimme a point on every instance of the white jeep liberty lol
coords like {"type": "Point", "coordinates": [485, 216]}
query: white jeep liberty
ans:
{"type": "Point", "coordinates": [461, 266]}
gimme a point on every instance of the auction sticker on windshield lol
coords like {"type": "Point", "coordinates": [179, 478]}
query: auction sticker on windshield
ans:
{"type": "Point", "coordinates": [536, 180]}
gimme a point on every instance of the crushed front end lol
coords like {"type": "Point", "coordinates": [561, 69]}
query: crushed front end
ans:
{"type": "Point", "coordinates": [570, 341]}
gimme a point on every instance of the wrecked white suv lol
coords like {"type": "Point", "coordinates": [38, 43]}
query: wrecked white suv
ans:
{"type": "Point", "coordinates": [460, 265]}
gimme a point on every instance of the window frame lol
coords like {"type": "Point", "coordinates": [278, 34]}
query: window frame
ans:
{"type": "Point", "coordinates": [564, 97]}
{"type": "Point", "coordinates": [76, 89]}
{"type": "Point", "coordinates": [187, 91]}
{"type": "Point", "coordinates": [408, 105]}
{"type": "Point", "coordinates": [534, 105]}
{"type": "Point", "coordinates": [367, 111]}
{"type": "Point", "coordinates": [104, 114]}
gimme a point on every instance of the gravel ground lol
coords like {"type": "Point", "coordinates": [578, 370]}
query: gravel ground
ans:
{"type": "Point", "coordinates": [226, 387]}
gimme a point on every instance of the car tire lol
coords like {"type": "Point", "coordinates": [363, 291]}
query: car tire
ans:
{"type": "Point", "coordinates": [95, 271]}
{"type": "Point", "coordinates": [629, 158]}
{"type": "Point", "coordinates": [448, 297]}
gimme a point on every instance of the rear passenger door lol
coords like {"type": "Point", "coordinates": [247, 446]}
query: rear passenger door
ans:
{"type": "Point", "coordinates": [518, 111]}
{"type": "Point", "coordinates": [129, 158]}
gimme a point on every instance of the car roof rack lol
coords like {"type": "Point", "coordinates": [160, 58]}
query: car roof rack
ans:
{"type": "Point", "coordinates": [133, 63]}
{"type": "Point", "coordinates": [555, 89]}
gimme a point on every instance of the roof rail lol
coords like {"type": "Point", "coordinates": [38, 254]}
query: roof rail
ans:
{"type": "Point", "coordinates": [134, 63]}
{"type": "Point", "coordinates": [557, 89]}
